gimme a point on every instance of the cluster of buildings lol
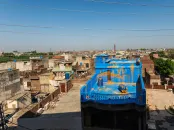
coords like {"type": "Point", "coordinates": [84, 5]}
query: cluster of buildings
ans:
{"type": "Point", "coordinates": [40, 80]}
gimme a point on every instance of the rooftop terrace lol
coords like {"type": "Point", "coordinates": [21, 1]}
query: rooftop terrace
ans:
{"type": "Point", "coordinates": [115, 82]}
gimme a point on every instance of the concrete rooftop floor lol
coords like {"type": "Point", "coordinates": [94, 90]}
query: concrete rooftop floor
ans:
{"type": "Point", "coordinates": [157, 99]}
{"type": "Point", "coordinates": [66, 113]}
{"type": "Point", "coordinates": [67, 110]}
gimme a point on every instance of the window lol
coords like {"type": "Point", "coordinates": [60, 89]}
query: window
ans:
{"type": "Point", "coordinates": [83, 58]}
{"type": "Point", "coordinates": [87, 65]}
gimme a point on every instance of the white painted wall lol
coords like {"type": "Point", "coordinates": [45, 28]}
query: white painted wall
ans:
{"type": "Point", "coordinates": [51, 63]}
{"type": "Point", "coordinates": [12, 104]}
{"type": "Point", "coordinates": [7, 65]}
{"type": "Point", "coordinates": [23, 66]}
{"type": "Point", "coordinates": [67, 56]}
{"type": "Point", "coordinates": [155, 81]}
{"type": "Point", "coordinates": [26, 85]}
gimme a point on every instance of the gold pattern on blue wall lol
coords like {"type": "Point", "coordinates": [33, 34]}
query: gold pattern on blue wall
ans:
{"type": "Point", "coordinates": [132, 71]}
{"type": "Point", "coordinates": [112, 75]}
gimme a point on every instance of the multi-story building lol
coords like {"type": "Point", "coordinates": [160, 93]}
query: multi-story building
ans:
{"type": "Point", "coordinates": [35, 84]}
{"type": "Point", "coordinates": [84, 61]}
{"type": "Point", "coordinates": [68, 57]}
{"type": "Point", "coordinates": [147, 65]}
{"type": "Point", "coordinates": [52, 62]}
{"type": "Point", "coordinates": [47, 84]}
{"type": "Point", "coordinates": [85, 64]}
{"type": "Point", "coordinates": [9, 83]}
{"type": "Point", "coordinates": [62, 69]}
{"type": "Point", "coordinates": [39, 63]}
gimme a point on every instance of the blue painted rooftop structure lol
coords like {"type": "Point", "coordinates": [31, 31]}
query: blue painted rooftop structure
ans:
{"type": "Point", "coordinates": [115, 82]}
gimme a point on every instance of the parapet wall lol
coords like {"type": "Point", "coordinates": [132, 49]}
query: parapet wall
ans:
{"type": "Point", "coordinates": [159, 87]}
{"type": "Point", "coordinates": [33, 111]}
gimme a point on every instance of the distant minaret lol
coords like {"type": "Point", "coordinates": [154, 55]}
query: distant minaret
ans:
{"type": "Point", "coordinates": [114, 48]}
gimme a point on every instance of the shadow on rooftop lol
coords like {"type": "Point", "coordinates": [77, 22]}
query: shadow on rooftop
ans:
{"type": "Point", "coordinates": [72, 121]}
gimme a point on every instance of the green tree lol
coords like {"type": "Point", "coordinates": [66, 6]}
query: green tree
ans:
{"type": "Point", "coordinates": [142, 49]}
{"type": "Point", "coordinates": [161, 54]}
{"type": "Point", "coordinates": [171, 54]}
{"type": "Point", "coordinates": [164, 67]}
{"type": "Point", "coordinates": [8, 54]}
{"type": "Point", "coordinates": [151, 55]}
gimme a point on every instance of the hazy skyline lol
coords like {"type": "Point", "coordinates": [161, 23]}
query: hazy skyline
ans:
{"type": "Point", "coordinates": [85, 25]}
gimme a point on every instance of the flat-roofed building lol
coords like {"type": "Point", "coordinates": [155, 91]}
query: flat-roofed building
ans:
{"type": "Point", "coordinates": [9, 83]}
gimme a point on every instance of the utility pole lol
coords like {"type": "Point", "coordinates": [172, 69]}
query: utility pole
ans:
{"type": "Point", "coordinates": [2, 118]}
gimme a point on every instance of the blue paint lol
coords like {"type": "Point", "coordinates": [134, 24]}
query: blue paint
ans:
{"type": "Point", "coordinates": [122, 88]}
{"type": "Point", "coordinates": [100, 82]}
{"type": "Point", "coordinates": [126, 85]}
{"type": "Point", "coordinates": [9, 69]}
{"type": "Point", "coordinates": [67, 75]}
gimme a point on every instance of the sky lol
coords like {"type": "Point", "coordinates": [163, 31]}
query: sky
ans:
{"type": "Point", "coordinates": [45, 25]}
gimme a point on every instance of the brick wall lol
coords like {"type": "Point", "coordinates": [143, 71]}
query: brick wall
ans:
{"type": "Point", "coordinates": [158, 86]}
{"type": "Point", "coordinates": [66, 86]}
{"type": "Point", "coordinates": [148, 86]}
{"type": "Point", "coordinates": [170, 86]}
{"type": "Point", "coordinates": [35, 85]}
{"type": "Point", "coordinates": [69, 85]}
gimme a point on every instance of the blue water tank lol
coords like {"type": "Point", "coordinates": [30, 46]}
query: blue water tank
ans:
{"type": "Point", "coordinates": [100, 81]}
{"type": "Point", "coordinates": [81, 63]}
{"type": "Point", "coordinates": [138, 61]}
{"type": "Point", "coordinates": [67, 75]}
{"type": "Point", "coordinates": [9, 69]}
{"type": "Point", "coordinates": [122, 88]}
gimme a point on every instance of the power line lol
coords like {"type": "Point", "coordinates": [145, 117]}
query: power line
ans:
{"type": "Point", "coordinates": [86, 11]}
{"type": "Point", "coordinates": [130, 4]}
{"type": "Point", "coordinates": [162, 29]}
{"type": "Point", "coordinates": [28, 26]}
{"type": "Point", "coordinates": [86, 35]}
{"type": "Point", "coordinates": [4, 31]}
{"type": "Point", "coordinates": [151, 36]}
{"type": "Point", "coordinates": [86, 29]}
